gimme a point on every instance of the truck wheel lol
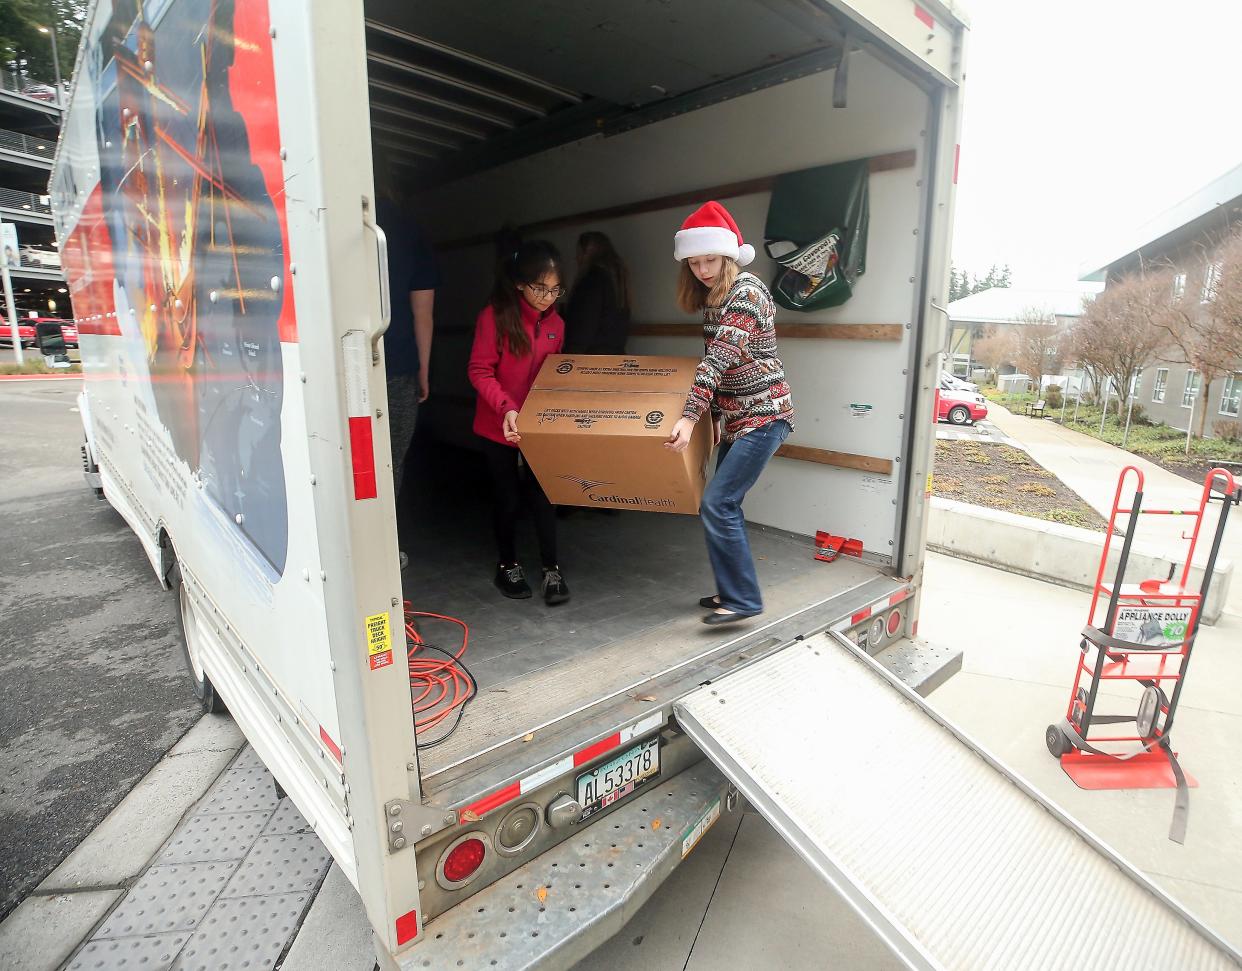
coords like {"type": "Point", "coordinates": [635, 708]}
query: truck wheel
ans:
{"type": "Point", "coordinates": [191, 641]}
{"type": "Point", "coordinates": [959, 415]}
{"type": "Point", "coordinates": [1057, 742]}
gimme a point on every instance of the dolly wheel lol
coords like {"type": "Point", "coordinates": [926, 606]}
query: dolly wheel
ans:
{"type": "Point", "coordinates": [1057, 742]}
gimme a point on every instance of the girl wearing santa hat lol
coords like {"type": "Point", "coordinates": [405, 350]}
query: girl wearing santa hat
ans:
{"type": "Point", "coordinates": [741, 382]}
{"type": "Point", "coordinates": [513, 334]}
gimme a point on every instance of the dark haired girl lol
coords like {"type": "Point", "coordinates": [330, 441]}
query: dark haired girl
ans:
{"type": "Point", "coordinates": [513, 334]}
{"type": "Point", "coordinates": [597, 319]}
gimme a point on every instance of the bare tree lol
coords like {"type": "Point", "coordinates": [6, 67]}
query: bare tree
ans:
{"type": "Point", "coordinates": [1039, 344]}
{"type": "Point", "coordinates": [1119, 332]}
{"type": "Point", "coordinates": [994, 349]}
{"type": "Point", "coordinates": [1202, 319]}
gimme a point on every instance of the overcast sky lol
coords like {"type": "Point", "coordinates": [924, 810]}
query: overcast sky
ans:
{"type": "Point", "coordinates": [1083, 119]}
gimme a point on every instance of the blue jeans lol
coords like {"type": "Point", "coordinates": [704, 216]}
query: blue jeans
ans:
{"type": "Point", "coordinates": [738, 467]}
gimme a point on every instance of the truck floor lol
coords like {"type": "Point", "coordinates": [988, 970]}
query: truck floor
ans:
{"type": "Point", "coordinates": [636, 579]}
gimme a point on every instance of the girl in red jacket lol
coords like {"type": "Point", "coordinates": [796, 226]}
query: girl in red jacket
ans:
{"type": "Point", "coordinates": [513, 334]}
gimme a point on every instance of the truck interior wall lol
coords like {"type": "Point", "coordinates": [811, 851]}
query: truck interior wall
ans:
{"type": "Point", "coordinates": [849, 395]}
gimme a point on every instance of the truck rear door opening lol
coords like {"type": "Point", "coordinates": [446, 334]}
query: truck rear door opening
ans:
{"type": "Point", "coordinates": [561, 121]}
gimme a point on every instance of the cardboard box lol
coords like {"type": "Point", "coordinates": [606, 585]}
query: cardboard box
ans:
{"type": "Point", "coordinates": [593, 431]}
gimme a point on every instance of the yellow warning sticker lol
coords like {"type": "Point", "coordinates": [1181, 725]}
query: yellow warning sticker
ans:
{"type": "Point", "coordinates": [379, 640]}
{"type": "Point", "coordinates": [929, 485]}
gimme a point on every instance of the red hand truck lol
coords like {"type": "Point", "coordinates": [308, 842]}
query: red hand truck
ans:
{"type": "Point", "coordinates": [1146, 636]}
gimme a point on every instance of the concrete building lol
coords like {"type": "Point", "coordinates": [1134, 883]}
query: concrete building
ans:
{"type": "Point", "coordinates": [1185, 237]}
{"type": "Point", "coordinates": [998, 307]}
{"type": "Point", "coordinates": [30, 118]}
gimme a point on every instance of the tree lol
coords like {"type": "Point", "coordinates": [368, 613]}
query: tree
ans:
{"type": "Point", "coordinates": [994, 349]}
{"type": "Point", "coordinates": [1119, 332]}
{"type": "Point", "coordinates": [25, 50]}
{"type": "Point", "coordinates": [963, 284]}
{"type": "Point", "coordinates": [1038, 344]}
{"type": "Point", "coordinates": [1202, 318]}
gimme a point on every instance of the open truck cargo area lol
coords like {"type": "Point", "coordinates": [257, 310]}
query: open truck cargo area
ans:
{"type": "Point", "coordinates": [215, 193]}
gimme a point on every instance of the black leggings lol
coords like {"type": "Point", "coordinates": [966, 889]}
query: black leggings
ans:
{"type": "Point", "coordinates": [510, 484]}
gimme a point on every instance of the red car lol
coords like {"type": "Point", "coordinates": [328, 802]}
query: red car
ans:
{"type": "Point", "coordinates": [25, 331]}
{"type": "Point", "coordinates": [27, 334]}
{"type": "Point", "coordinates": [961, 407]}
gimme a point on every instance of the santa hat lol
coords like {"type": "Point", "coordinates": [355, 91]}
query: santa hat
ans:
{"type": "Point", "coordinates": [711, 231]}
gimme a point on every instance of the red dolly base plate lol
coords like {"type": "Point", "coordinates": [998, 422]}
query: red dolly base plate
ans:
{"type": "Point", "coordinates": [1151, 770]}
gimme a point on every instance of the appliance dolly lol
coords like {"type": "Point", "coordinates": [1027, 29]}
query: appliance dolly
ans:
{"type": "Point", "coordinates": [1146, 636]}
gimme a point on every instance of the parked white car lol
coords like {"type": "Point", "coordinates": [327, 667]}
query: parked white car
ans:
{"type": "Point", "coordinates": [952, 382]}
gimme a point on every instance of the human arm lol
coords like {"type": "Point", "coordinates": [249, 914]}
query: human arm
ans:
{"type": "Point", "coordinates": [727, 349]}
{"type": "Point", "coordinates": [484, 360]}
{"type": "Point", "coordinates": [422, 302]}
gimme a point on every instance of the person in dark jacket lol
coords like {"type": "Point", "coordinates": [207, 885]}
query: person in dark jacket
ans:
{"type": "Point", "coordinates": [597, 318]}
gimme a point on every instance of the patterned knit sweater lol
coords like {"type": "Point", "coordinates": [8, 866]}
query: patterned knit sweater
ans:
{"type": "Point", "coordinates": [740, 379]}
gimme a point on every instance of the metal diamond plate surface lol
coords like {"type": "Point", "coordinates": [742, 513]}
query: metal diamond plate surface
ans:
{"type": "Point", "coordinates": [168, 898]}
{"type": "Point", "coordinates": [214, 837]}
{"type": "Point", "coordinates": [953, 861]}
{"type": "Point", "coordinates": [279, 864]}
{"type": "Point", "coordinates": [152, 952]}
{"type": "Point", "coordinates": [244, 934]}
{"type": "Point", "coordinates": [591, 884]}
{"type": "Point", "coordinates": [241, 790]}
{"type": "Point", "coordinates": [286, 819]}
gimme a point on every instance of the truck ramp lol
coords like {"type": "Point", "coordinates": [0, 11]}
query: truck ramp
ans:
{"type": "Point", "coordinates": [954, 861]}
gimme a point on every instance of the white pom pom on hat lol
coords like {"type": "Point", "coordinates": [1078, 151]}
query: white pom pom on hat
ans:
{"type": "Point", "coordinates": [711, 231]}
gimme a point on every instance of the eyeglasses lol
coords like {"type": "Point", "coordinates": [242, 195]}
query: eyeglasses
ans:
{"type": "Point", "coordinates": [540, 291]}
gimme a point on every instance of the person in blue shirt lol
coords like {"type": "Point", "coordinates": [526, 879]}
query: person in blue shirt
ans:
{"type": "Point", "coordinates": [412, 281]}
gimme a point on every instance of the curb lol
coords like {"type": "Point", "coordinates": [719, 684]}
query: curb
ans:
{"type": "Point", "coordinates": [40, 377]}
{"type": "Point", "coordinates": [1065, 555]}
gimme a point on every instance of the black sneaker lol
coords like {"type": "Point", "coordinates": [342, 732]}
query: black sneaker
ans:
{"type": "Point", "coordinates": [511, 581]}
{"type": "Point", "coordinates": [555, 589]}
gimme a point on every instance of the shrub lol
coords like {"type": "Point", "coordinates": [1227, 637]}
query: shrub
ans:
{"type": "Point", "coordinates": [1069, 517]}
{"type": "Point", "coordinates": [994, 479]}
{"type": "Point", "coordinates": [1036, 489]}
{"type": "Point", "coordinates": [1052, 397]}
{"type": "Point", "coordinates": [1229, 431]}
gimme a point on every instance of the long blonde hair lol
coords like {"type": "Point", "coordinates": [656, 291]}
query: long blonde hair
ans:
{"type": "Point", "coordinates": [693, 296]}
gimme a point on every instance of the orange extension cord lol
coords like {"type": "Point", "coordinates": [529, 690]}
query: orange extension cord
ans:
{"type": "Point", "coordinates": [438, 686]}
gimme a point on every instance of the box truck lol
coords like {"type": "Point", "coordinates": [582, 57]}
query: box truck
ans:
{"type": "Point", "coordinates": [215, 196]}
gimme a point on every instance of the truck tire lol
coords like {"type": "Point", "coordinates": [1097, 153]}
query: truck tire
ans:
{"type": "Point", "coordinates": [959, 415]}
{"type": "Point", "coordinates": [188, 621]}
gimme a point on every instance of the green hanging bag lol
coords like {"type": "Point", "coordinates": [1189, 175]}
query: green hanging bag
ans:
{"type": "Point", "coordinates": [817, 232]}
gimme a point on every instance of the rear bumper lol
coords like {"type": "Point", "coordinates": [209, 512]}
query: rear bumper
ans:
{"type": "Point", "coordinates": [563, 904]}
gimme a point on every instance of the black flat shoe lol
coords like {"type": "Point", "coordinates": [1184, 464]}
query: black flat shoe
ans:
{"type": "Point", "coordinates": [511, 581]}
{"type": "Point", "coordinates": [555, 589]}
{"type": "Point", "coordinates": [718, 620]}
{"type": "Point", "coordinates": [710, 603]}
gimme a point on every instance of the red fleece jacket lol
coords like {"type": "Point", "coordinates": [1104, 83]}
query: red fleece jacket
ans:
{"type": "Point", "coordinates": [502, 379]}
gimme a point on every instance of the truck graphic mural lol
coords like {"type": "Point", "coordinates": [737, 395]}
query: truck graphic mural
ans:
{"type": "Point", "coordinates": [190, 192]}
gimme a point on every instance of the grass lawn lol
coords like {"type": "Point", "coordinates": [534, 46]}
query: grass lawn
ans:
{"type": "Point", "coordinates": [1003, 477]}
{"type": "Point", "coordinates": [1157, 443]}
{"type": "Point", "coordinates": [34, 365]}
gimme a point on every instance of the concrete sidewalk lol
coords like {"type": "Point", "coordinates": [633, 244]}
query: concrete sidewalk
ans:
{"type": "Point", "coordinates": [1091, 467]}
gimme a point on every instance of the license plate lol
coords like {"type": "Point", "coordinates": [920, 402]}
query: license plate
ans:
{"type": "Point", "coordinates": [614, 780]}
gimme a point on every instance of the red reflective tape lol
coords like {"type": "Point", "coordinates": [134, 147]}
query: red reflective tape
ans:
{"type": "Point", "coordinates": [860, 616]}
{"type": "Point", "coordinates": [407, 927]}
{"type": "Point", "coordinates": [488, 803]}
{"type": "Point", "coordinates": [898, 597]}
{"type": "Point", "coordinates": [363, 454]}
{"type": "Point", "coordinates": [925, 16]}
{"type": "Point", "coordinates": [599, 748]}
{"type": "Point", "coordinates": [332, 746]}
{"type": "Point", "coordinates": [957, 158]}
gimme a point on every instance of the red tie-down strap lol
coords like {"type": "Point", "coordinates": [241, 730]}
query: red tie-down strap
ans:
{"type": "Point", "coordinates": [828, 546]}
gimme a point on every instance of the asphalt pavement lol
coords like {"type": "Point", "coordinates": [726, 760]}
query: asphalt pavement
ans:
{"type": "Point", "coordinates": [93, 689]}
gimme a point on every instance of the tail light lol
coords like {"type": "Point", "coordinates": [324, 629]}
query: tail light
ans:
{"type": "Point", "coordinates": [461, 862]}
{"type": "Point", "coordinates": [894, 623]}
